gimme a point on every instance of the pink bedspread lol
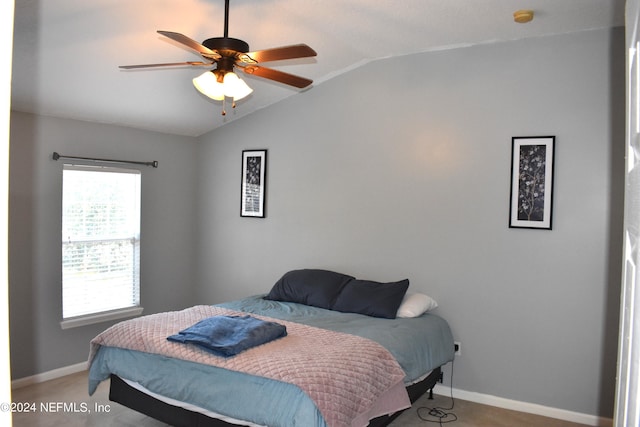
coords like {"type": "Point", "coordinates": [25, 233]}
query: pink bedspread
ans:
{"type": "Point", "coordinates": [350, 379]}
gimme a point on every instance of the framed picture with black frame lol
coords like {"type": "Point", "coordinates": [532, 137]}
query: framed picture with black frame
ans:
{"type": "Point", "coordinates": [531, 204]}
{"type": "Point", "coordinates": [254, 183]}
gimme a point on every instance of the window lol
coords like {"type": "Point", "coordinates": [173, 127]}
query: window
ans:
{"type": "Point", "coordinates": [100, 244]}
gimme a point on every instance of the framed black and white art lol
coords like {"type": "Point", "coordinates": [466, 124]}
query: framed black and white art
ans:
{"type": "Point", "coordinates": [254, 181]}
{"type": "Point", "coordinates": [532, 182]}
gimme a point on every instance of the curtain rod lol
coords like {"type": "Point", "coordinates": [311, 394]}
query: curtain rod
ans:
{"type": "Point", "coordinates": [57, 156]}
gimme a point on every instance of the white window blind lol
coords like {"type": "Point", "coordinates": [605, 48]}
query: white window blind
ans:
{"type": "Point", "coordinates": [100, 240]}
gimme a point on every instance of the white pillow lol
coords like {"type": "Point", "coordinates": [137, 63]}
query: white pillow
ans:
{"type": "Point", "coordinates": [414, 304]}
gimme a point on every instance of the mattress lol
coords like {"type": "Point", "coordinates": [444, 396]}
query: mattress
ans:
{"type": "Point", "coordinates": [190, 407]}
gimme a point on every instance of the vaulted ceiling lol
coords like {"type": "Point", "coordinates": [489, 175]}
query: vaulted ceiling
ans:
{"type": "Point", "coordinates": [67, 52]}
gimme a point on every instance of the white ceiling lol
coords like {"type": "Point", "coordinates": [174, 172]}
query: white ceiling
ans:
{"type": "Point", "coordinates": [67, 52]}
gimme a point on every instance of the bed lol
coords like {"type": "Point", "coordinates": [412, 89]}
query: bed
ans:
{"type": "Point", "coordinates": [348, 358]}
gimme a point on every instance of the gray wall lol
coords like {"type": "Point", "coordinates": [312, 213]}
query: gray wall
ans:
{"type": "Point", "coordinates": [401, 168]}
{"type": "Point", "coordinates": [38, 344]}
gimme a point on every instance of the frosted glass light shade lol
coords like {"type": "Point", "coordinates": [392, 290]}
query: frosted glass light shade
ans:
{"type": "Point", "coordinates": [231, 86]}
{"type": "Point", "coordinates": [207, 84]}
{"type": "Point", "coordinates": [234, 87]}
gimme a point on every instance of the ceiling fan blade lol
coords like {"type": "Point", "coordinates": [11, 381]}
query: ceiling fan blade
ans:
{"type": "Point", "coordinates": [278, 76]}
{"type": "Point", "coordinates": [168, 64]}
{"type": "Point", "coordinates": [279, 53]}
{"type": "Point", "coordinates": [190, 43]}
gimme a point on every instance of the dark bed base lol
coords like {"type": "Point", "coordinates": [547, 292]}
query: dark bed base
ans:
{"type": "Point", "coordinates": [128, 396]}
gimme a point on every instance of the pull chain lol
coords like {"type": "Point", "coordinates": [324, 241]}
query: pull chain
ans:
{"type": "Point", "coordinates": [224, 101]}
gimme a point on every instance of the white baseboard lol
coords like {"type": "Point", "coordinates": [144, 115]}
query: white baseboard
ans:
{"type": "Point", "coordinates": [49, 375]}
{"type": "Point", "coordinates": [530, 408]}
{"type": "Point", "coordinates": [485, 399]}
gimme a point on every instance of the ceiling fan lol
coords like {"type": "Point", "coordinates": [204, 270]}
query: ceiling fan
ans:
{"type": "Point", "coordinates": [227, 53]}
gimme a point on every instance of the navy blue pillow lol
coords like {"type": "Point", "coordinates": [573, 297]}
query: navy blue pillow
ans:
{"type": "Point", "coordinates": [318, 288]}
{"type": "Point", "coordinates": [372, 298]}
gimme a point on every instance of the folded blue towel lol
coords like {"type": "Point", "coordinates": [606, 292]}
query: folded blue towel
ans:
{"type": "Point", "coordinates": [229, 335]}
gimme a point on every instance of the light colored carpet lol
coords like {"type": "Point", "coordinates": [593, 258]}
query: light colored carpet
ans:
{"type": "Point", "coordinates": [470, 414]}
{"type": "Point", "coordinates": [65, 402]}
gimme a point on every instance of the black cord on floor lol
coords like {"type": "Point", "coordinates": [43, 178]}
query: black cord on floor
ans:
{"type": "Point", "coordinates": [438, 414]}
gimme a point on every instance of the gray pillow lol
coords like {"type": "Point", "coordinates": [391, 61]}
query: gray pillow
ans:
{"type": "Point", "coordinates": [318, 288]}
{"type": "Point", "coordinates": [372, 298]}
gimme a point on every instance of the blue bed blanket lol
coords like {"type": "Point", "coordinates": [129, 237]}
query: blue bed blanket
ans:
{"type": "Point", "coordinates": [419, 344]}
{"type": "Point", "coordinates": [227, 336]}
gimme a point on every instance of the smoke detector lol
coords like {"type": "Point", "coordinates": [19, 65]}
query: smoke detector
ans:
{"type": "Point", "coordinates": [522, 16]}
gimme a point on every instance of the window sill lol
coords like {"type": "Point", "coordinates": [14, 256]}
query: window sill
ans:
{"type": "Point", "coordinates": [90, 319]}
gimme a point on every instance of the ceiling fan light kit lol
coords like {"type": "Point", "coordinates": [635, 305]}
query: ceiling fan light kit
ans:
{"type": "Point", "coordinates": [226, 53]}
{"type": "Point", "coordinates": [218, 86]}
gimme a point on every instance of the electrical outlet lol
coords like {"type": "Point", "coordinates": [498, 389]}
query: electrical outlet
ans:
{"type": "Point", "coordinates": [458, 348]}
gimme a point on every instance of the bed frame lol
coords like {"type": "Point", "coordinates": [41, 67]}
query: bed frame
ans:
{"type": "Point", "coordinates": [123, 393]}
